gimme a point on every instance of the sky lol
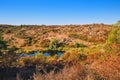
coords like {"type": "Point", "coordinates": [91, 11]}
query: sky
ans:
{"type": "Point", "coordinates": [59, 12]}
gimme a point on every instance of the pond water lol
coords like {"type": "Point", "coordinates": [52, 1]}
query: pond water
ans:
{"type": "Point", "coordinates": [59, 54]}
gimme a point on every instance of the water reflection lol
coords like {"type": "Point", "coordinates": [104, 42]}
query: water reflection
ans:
{"type": "Point", "coordinates": [59, 54]}
{"type": "Point", "coordinates": [46, 54]}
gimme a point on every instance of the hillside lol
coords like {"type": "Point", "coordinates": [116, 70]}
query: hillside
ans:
{"type": "Point", "coordinates": [32, 36]}
{"type": "Point", "coordinates": [88, 47]}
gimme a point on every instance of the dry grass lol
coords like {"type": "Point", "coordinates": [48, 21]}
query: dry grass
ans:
{"type": "Point", "coordinates": [109, 67]}
{"type": "Point", "coordinates": [68, 73]}
{"type": "Point", "coordinates": [98, 70]}
{"type": "Point", "coordinates": [75, 72]}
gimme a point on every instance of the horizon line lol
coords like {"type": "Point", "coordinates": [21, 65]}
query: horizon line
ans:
{"type": "Point", "coordinates": [55, 24]}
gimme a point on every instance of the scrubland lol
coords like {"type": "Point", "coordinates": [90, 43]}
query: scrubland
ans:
{"type": "Point", "coordinates": [89, 52]}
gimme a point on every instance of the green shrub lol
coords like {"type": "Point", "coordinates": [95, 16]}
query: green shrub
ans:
{"type": "Point", "coordinates": [113, 40]}
{"type": "Point", "coordinates": [114, 36]}
{"type": "Point", "coordinates": [3, 44]}
{"type": "Point", "coordinates": [111, 37]}
{"type": "Point", "coordinates": [54, 44]}
{"type": "Point", "coordinates": [77, 45]}
{"type": "Point", "coordinates": [73, 55]}
{"type": "Point", "coordinates": [28, 41]}
{"type": "Point", "coordinates": [118, 36]}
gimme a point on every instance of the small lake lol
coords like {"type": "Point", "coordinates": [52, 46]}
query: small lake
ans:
{"type": "Point", "coordinates": [59, 54]}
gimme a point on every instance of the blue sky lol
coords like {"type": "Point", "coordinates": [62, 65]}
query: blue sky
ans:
{"type": "Point", "coordinates": [59, 11]}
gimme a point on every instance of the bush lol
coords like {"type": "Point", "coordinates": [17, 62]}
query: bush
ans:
{"type": "Point", "coordinates": [28, 41]}
{"type": "Point", "coordinates": [118, 36]}
{"type": "Point", "coordinates": [73, 56]}
{"type": "Point", "coordinates": [114, 36]}
{"type": "Point", "coordinates": [113, 40]}
{"type": "Point", "coordinates": [3, 44]}
{"type": "Point", "coordinates": [111, 37]}
{"type": "Point", "coordinates": [77, 45]}
{"type": "Point", "coordinates": [54, 44]}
